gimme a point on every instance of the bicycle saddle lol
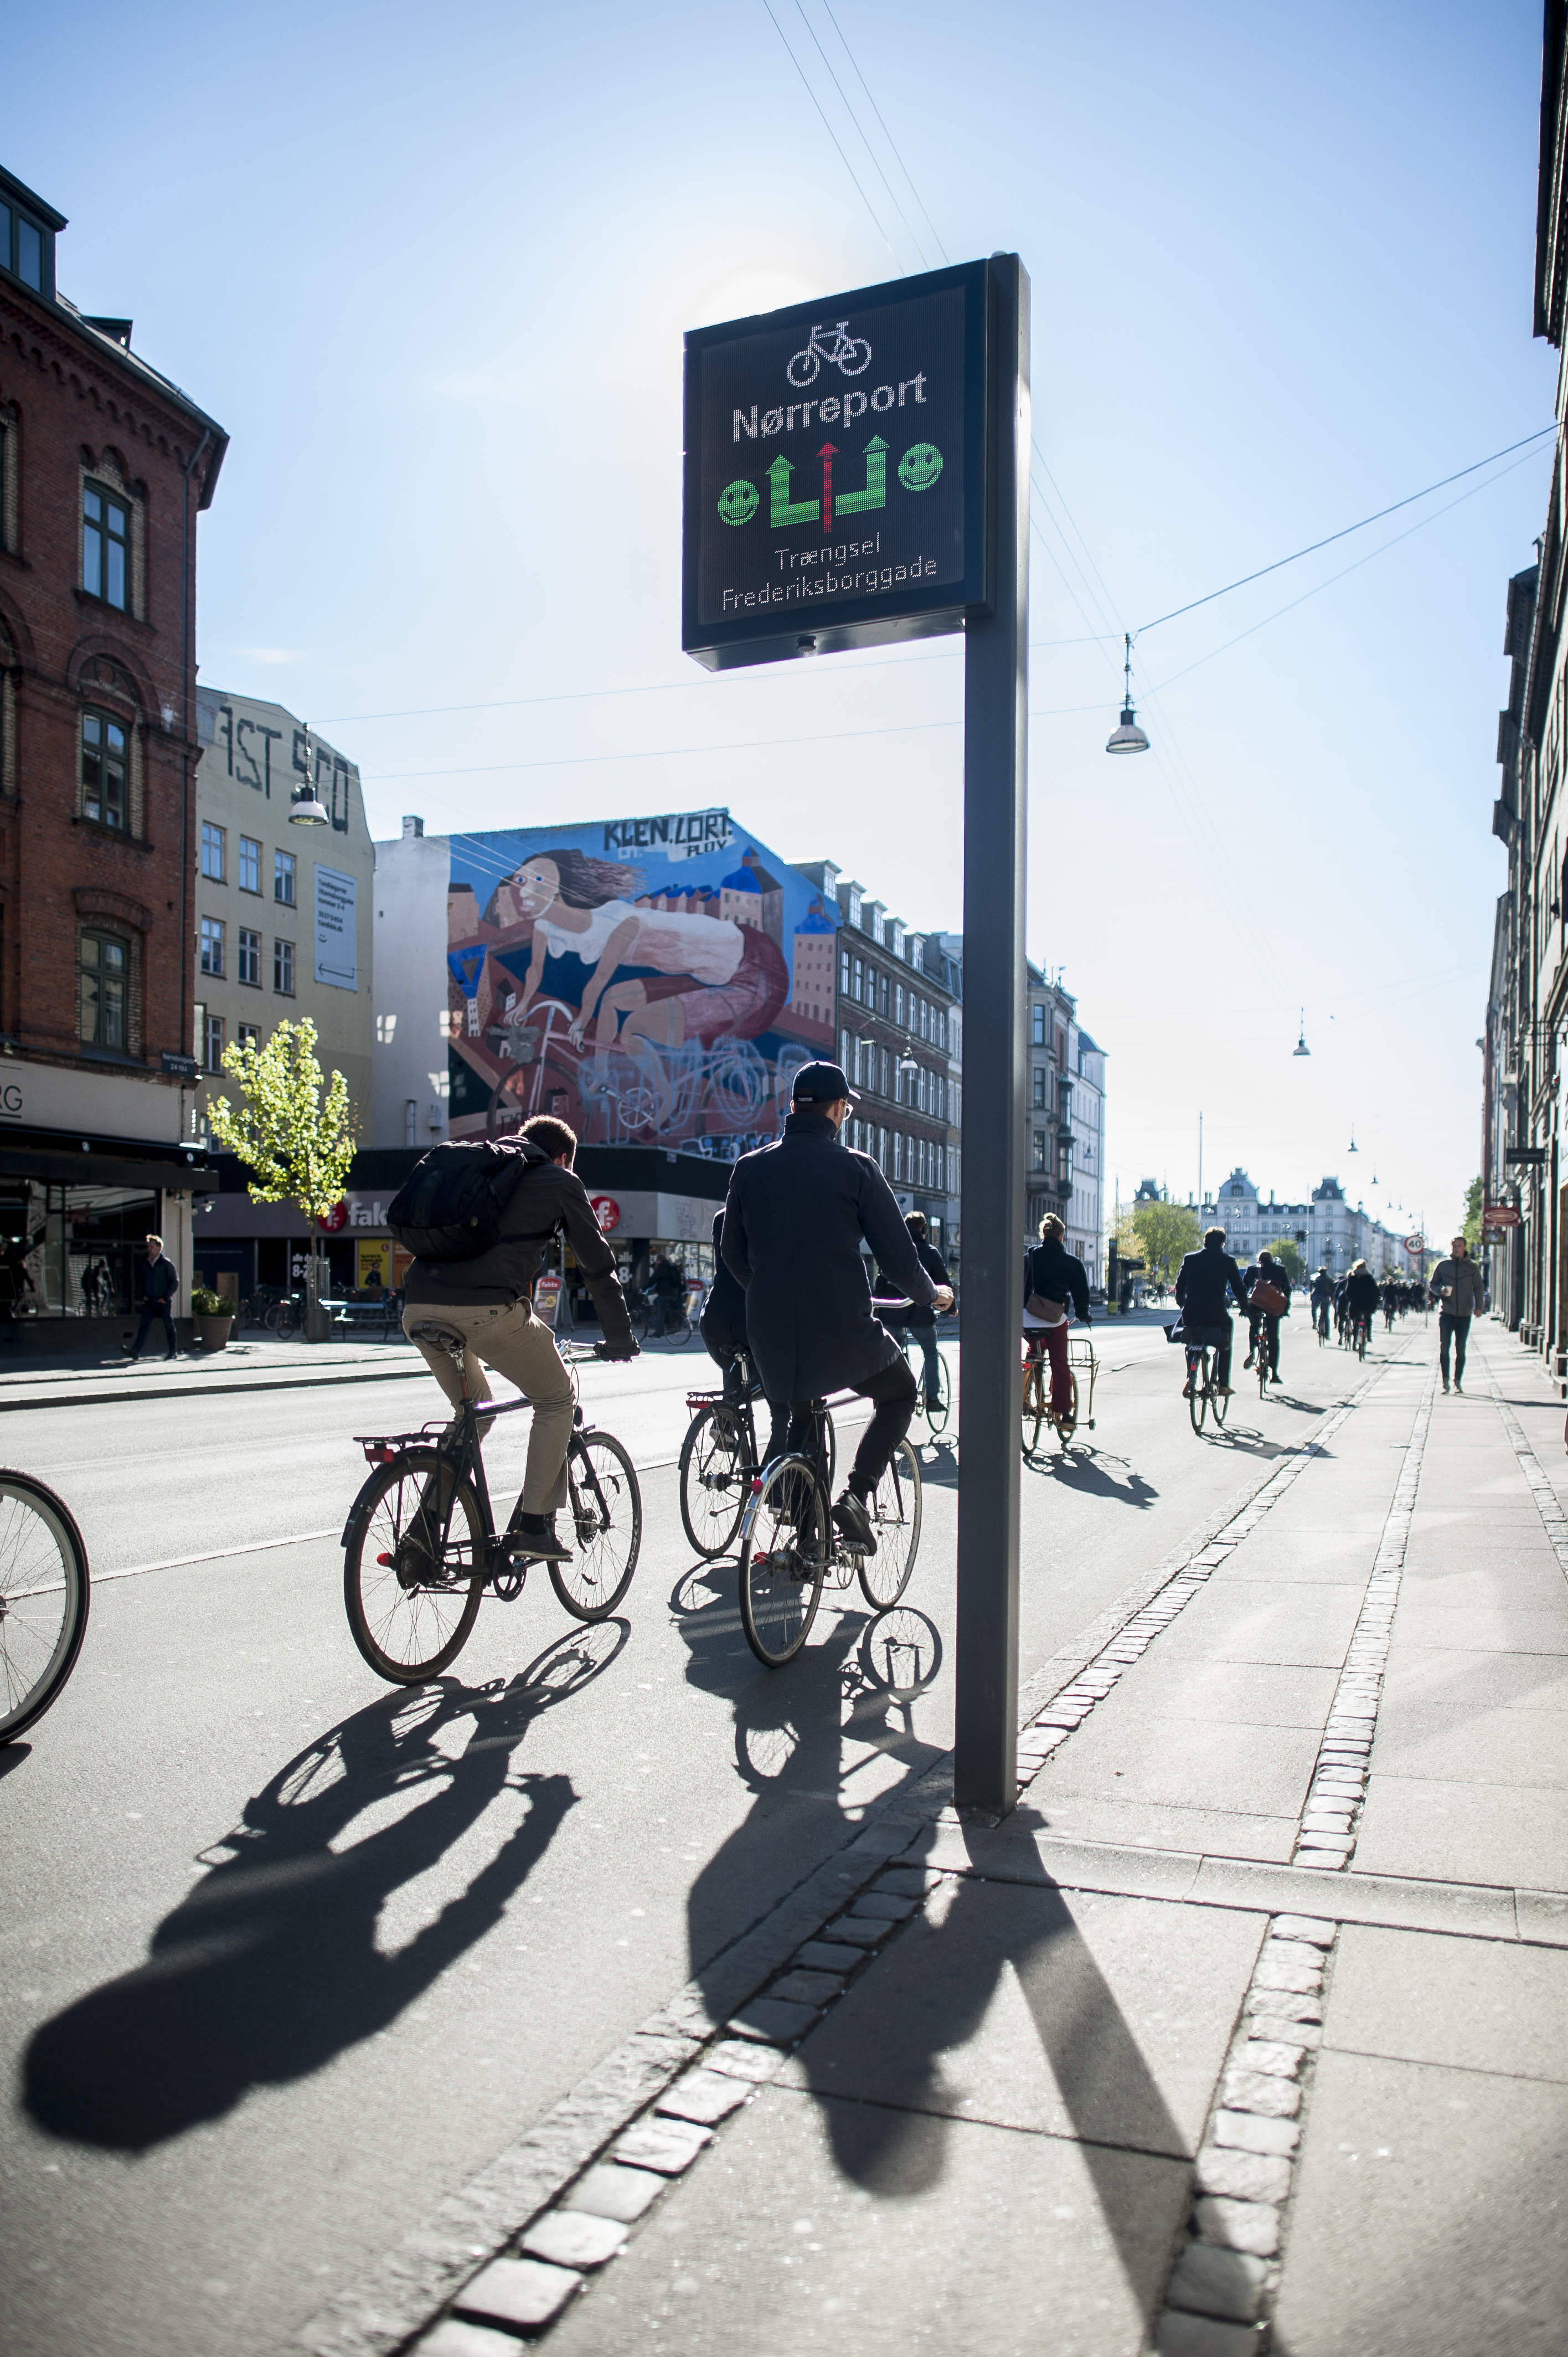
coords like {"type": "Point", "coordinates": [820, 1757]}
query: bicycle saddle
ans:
{"type": "Point", "coordinates": [441, 1338]}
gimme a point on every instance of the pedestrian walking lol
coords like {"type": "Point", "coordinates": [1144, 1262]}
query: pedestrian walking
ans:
{"type": "Point", "coordinates": [158, 1283]}
{"type": "Point", "coordinates": [1456, 1285]}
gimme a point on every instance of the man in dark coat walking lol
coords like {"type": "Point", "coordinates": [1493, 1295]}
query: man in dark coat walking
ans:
{"type": "Point", "coordinates": [159, 1284]}
{"type": "Point", "coordinates": [1202, 1282]}
{"type": "Point", "coordinates": [796, 1217]}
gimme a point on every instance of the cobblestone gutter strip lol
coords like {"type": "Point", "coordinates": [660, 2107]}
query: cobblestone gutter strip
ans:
{"type": "Point", "coordinates": [1171, 1588]}
{"type": "Point", "coordinates": [1326, 1835]}
{"type": "Point", "coordinates": [1548, 1505]}
{"type": "Point", "coordinates": [1227, 2272]}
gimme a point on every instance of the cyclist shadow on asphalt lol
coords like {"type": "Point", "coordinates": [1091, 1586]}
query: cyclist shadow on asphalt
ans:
{"type": "Point", "coordinates": [270, 1968]}
{"type": "Point", "coordinates": [806, 1737]}
{"type": "Point", "coordinates": [1088, 1471]}
{"type": "Point", "coordinates": [911, 2058]}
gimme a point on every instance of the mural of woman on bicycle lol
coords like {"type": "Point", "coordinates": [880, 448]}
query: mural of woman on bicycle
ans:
{"type": "Point", "coordinates": [656, 1001]}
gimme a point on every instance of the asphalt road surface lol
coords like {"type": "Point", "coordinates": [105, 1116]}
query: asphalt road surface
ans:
{"type": "Point", "coordinates": [285, 1955]}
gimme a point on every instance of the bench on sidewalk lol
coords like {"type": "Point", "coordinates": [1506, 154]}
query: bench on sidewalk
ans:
{"type": "Point", "coordinates": [374, 1314]}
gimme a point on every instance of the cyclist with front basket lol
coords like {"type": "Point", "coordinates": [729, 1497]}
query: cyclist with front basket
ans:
{"type": "Point", "coordinates": [523, 1190]}
{"type": "Point", "coordinates": [1202, 1283]}
{"type": "Point", "coordinates": [1055, 1282]}
{"type": "Point", "coordinates": [796, 1216]}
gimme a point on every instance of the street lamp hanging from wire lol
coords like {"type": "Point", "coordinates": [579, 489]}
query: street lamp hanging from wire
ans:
{"type": "Point", "coordinates": [1127, 738]}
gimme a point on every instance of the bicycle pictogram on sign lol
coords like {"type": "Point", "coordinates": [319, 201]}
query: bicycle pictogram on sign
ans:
{"type": "Point", "coordinates": [849, 354]}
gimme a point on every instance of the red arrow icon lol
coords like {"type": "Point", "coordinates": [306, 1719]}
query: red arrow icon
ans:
{"type": "Point", "coordinates": [827, 454]}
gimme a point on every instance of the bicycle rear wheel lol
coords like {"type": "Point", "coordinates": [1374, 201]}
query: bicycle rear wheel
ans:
{"type": "Point", "coordinates": [783, 1556]}
{"type": "Point", "coordinates": [409, 1615]}
{"type": "Point", "coordinates": [1197, 1392]}
{"type": "Point", "coordinates": [679, 1333]}
{"type": "Point", "coordinates": [606, 1515]}
{"type": "Point", "coordinates": [1067, 1425]}
{"type": "Point", "coordinates": [44, 1599]}
{"type": "Point", "coordinates": [1034, 1407]}
{"type": "Point", "coordinates": [716, 1469]}
{"type": "Point", "coordinates": [894, 1509]}
{"type": "Point", "coordinates": [939, 1410]}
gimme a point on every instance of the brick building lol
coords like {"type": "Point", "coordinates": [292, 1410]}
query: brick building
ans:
{"type": "Point", "coordinates": [104, 466]}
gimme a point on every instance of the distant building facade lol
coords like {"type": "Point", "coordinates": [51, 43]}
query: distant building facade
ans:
{"type": "Point", "coordinates": [1327, 1231]}
{"type": "Point", "coordinates": [1065, 1122]}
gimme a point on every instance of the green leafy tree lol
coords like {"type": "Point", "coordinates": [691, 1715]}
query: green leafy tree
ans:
{"type": "Point", "coordinates": [1164, 1231]}
{"type": "Point", "coordinates": [1473, 1215]}
{"type": "Point", "coordinates": [293, 1128]}
{"type": "Point", "coordinates": [1291, 1257]}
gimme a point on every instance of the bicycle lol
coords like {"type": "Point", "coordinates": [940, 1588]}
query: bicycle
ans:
{"type": "Point", "coordinates": [936, 1412]}
{"type": "Point", "coordinates": [1036, 1407]}
{"type": "Point", "coordinates": [790, 1543]}
{"type": "Point", "coordinates": [840, 354]}
{"type": "Point", "coordinates": [719, 1458]}
{"type": "Point", "coordinates": [1204, 1395]}
{"type": "Point", "coordinates": [413, 1584]}
{"type": "Point", "coordinates": [44, 1599]}
{"type": "Point", "coordinates": [1321, 1322]}
{"type": "Point", "coordinates": [285, 1314]}
{"type": "Point", "coordinates": [1362, 1328]}
{"type": "Point", "coordinates": [654, 1323]}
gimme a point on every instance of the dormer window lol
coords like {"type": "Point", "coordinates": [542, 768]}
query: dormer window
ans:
{"type": "Point", "coordinates": [28, 229]}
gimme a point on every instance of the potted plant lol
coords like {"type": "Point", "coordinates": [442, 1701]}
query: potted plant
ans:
{"type": "Point", "coordinates": [214, 1315]}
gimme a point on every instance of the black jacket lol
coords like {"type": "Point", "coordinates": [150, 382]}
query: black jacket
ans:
{"type": "Point", "coordinates": [1361, 1293]}
{"type": "Point", "coordinates": [723, 1322]}
{"type": "Point", "coordinates": [794, 1221]}
{"type": "Point", "coordinates": [922, 1316]}
{"type": "Point", "coordinates": [1057, 1274]}
{"type": "Point", "coordinates": [544, 1200]}
{"type": "Point", "coordinates": [158, 1281]}
{"type": "Point", "coordinates": [1202, 1282]}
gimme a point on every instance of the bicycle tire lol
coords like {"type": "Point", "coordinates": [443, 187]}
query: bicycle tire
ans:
{"type": "Point", "coordinates": [783, 1557]}
{"type": "Point", "coordinates": [1066, 1426]}
{"type": "Point", "coordinates": [1197, 1392]}
{"type": "Point", "coordinates": [937, 1416]}
{"type": "Point", "coordinates": [1218, 1406]}
{"type": "Point", "coordinates": [286, 1321]}
{"type": "Point", "coordinates": [1034, 1414]}
{"type": "Point", "coordinates": [680, 1335]}
{"type": "Point", "coordinates": [1262, 1368]}
{"type": "Point", "coordinates": [813, 367]}
{"type": "Point", "coordinates": [856, 344]}
{"type": "Point", "coordinates": [606, 1505]}
{"type": "Point", "coordinates": [38, 1648]}
{"type": "Point", "coordinates": [384, 1603]}
{"type": "Point", "coordinates": [896, 1506]}
{"type": "Point", "coordinates": [715, 1478]}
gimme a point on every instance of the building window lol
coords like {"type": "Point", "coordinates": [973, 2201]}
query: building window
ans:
{"type": "Point", "coordinates": [212, 1043]}
{"type": "Point", "coordinates": [103, 972]}
{"type": "Point", "coordinates": [248, 1035]}
{"type": "Point", "coordinates": [898, 1003]}
{"type": "Point", "coordinates": [1040, 1162]}
{"type": "Point", "coordinates": [105, 546]}
{"type": "Point", "coordinates": [858, 991]}
{"type": "Point", "coordinates": [1042, 1088]}
{"type": "Point", "coordinates": [1036, 1025]}
{"type": "Point", "coordinates": [411, 1120]}
{"type": "Point", "coordinates": [283, 878]}
{"type": "Point", "coordinates": [213, 945]}
{"type": "Point", "coordinates": [282, 968]}
{"type": "Point", "coordinates": [843, 973]}
{"type": "Point", "coordinates": [214, 848]}
{"type": "Point", "coordinates": [248, 967]}
{"type": "Point", "coordinates": [898, 1154]}
{"type": "Point", "coordinates": [250, 864]}
{"type": "Point", "coordinates": [25, 247]}
{"type": "Point", "coordinates": [1064, 1164]}
{"type": "Point", "coordinates": [105, 771]}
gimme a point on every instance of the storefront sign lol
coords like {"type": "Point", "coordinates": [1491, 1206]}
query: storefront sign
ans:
{"type": "Point", "coordinates": [606, 1210]}
{"type": "Point", "coordinates": [835, 471]}
{"type": "Point", "coordinates": [337, 930]}
{"type": "Point", "coordinates": [547, 1298]}
{"type": "Point", "coordinates": [1500, 1215]}
{"type": "Point", "coordinates": [337, 1217]}
{"type": "Point", "coordinates": [102, 1104]}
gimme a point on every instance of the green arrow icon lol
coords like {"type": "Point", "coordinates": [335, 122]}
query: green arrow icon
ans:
{"type": "Point", "coordinates": [784, 510]}
{"type": "Point", "coordinates": [876, 492]}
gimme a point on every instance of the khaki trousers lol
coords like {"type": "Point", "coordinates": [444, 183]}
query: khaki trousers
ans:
{"type": "Point", "coordinates": [510, 1338]}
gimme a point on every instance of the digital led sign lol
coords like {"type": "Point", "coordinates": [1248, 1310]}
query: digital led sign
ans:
{"type": "Point", "coordinates": [835, 472]}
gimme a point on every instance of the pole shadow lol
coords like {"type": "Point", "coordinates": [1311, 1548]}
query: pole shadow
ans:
{"type": "Point", "coordinates": [269, 1968]}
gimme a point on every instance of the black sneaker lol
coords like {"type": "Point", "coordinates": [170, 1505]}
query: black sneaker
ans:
{"type": "Point", "coordinates": [540, 1546]}
{"type": "Point", "coordinates": [851, 1517]}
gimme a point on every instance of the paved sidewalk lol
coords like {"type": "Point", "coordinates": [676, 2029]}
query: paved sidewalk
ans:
{"type": "Point", "coordinates": [1247, 2022]}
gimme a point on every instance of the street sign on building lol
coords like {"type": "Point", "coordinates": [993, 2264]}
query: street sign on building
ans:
{"type": "Point", "coordinates": [1500, 1215]}
{"type": "Point", "coordinates": [835, 483]}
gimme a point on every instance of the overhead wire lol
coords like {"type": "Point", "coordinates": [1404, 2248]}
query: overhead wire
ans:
{"type": "Point", "coordinates": [875, 160]}
{"type": "Point", "coordinates": [885, 133]}
{"type": "Point", "coordinates": [832, 135]}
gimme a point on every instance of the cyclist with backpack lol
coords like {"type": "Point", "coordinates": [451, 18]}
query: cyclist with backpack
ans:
{"type": "Point", "coordinates": [1322, 1299]}
{"type": "Point", "coordinates": [479, 1216]}
{"type": "Point", "coordinates": [1267, 1287]}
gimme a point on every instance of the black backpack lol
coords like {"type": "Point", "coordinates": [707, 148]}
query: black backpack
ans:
{"type": "Point", "coordinates": [450, 1206]}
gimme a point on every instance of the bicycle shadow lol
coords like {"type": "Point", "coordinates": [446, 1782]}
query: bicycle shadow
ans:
{"type": "Point", "coordinates": [1086, 1472]}
{"type": "Point", "coordinates": [269, 1966]}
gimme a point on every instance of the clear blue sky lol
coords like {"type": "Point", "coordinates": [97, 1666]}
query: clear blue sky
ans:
{"type": "Point", "coordinates": [431, 270]}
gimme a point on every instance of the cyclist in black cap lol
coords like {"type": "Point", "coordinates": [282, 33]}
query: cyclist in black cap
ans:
{"type": "Point", "coordinates": [796, 1216]}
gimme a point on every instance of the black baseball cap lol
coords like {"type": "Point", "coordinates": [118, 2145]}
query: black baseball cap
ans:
{"type": "Point", "coordinates": [822, 1084]}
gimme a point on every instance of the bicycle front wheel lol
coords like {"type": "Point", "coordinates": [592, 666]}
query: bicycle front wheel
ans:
{"type": "Point", "coordinates": [715, 1471]}
{"type": "Point", "coordinates": [894, 1509]}
{"type": "Point", "coordinates": [286, 1321]}
{"type": "Point", "coordinates": [44, 1599]}
{"type": "Point", "coordinates": [409, 1613]}
{"type": "Point", "coordinates": [606, 1517]}
{"type": "Point", "coordinates": [679, 1333]}
{"type": "Point", "coordinates": [783, 1556]}
{"type": "Point", "coordinates": [938, 1409]}
{"type": "Point", "coordinates": [1067, 1425]}
{"type": "Point", "coordinates": [1198, 1393]}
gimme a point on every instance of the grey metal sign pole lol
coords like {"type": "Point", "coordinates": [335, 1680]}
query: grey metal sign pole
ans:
{"type": "Point", "coordinates": [996, 680]}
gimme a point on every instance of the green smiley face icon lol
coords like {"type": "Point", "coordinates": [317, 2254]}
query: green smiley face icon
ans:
{"type": "Point", "coordinates": [737, 500]}
{"type": "Point", "coordinates": [918, 467]}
